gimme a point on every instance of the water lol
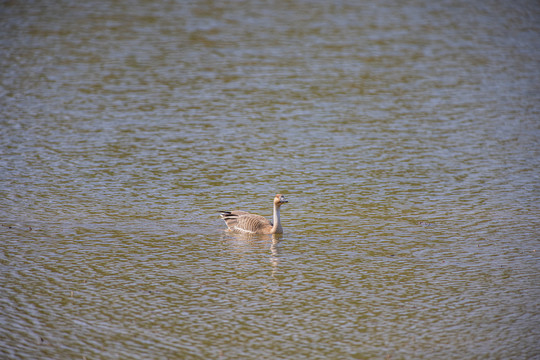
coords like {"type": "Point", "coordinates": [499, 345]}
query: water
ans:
{"type": "Point", "coordinates": [405, 136]}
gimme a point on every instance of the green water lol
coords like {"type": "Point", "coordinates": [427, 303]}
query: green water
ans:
{"type": "Point", "coordinates": [404, 135]}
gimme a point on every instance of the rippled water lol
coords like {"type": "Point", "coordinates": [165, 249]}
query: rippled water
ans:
{"type": "Point", "coordinates": [404, 135]}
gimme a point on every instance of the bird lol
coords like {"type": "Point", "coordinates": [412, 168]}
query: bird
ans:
{"type": "Point", "coordinates": [245, 222]}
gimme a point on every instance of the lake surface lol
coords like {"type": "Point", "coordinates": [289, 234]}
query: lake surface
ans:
{"type": "Point", "coordinates": [405, 135]}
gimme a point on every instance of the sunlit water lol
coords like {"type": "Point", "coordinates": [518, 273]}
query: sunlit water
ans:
{"type": "Point", "coordinates": [405, 136]}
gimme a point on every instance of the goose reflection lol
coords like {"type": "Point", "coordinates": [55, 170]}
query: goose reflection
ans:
{"type": "Point", "coordinates": [243, 243]}
{"type": "Point", "coordinates": [274, 253]}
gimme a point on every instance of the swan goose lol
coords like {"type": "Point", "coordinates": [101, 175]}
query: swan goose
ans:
{"type": "Point", "coordinates": [244, 222]}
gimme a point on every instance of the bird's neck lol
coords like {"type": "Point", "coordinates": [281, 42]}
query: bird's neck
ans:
{"type": "Point", "coordinates": [276, 229]}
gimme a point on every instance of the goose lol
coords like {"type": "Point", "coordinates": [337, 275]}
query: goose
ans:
{"type": "Point", "coordinates": [244, 222]}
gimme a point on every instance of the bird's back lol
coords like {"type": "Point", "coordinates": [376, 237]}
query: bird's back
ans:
{"type": "Point", "coordinates": [243, 221]}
